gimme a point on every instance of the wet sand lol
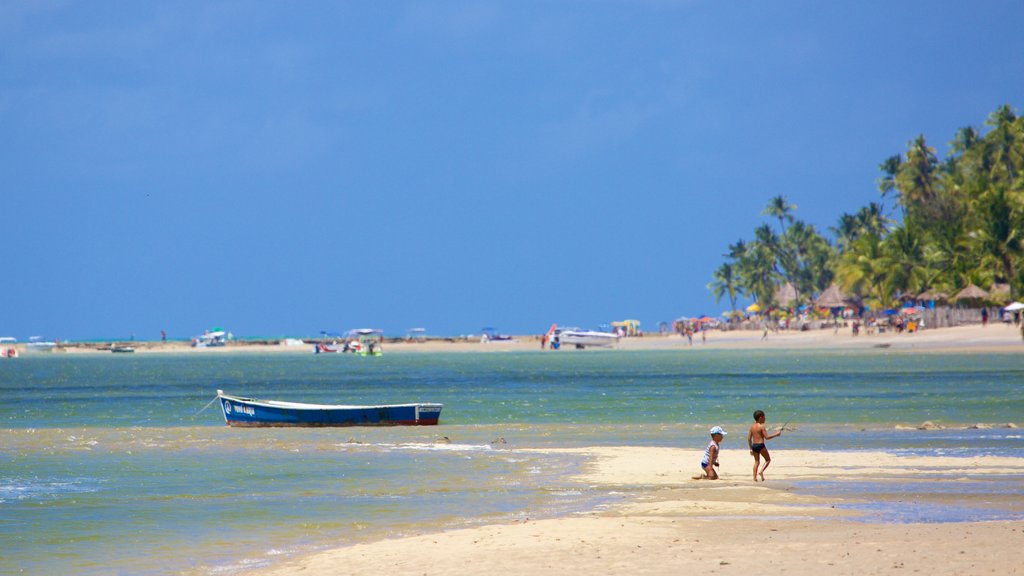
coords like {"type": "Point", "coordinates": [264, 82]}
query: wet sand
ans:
{"type": "Point", "coordinates": [672, 524]}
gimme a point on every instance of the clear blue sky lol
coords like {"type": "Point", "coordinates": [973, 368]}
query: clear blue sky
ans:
{"type": "Point", "coordinates": [282, 168]}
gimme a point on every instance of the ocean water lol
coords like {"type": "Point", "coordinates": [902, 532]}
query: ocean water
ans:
{"type": "Point", "coordinates": [109, 464]}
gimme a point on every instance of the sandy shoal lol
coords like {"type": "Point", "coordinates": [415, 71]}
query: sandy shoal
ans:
{"type": "Point", "coordinates": [672, 524]}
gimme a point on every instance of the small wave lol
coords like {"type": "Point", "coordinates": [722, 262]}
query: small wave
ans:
{"type": "Point", "coordinates": [36, 488]}
{"type": "Point", "coordinates": [430, 447]}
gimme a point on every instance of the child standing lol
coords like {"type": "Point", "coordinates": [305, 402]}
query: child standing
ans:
{"type": "Point", "coordinates": [710, 459]}
{"type": "Point", "coordinates": [756, 439]}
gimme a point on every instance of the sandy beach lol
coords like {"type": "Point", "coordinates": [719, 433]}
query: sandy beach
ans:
{"type": "Point", "coordinates": [672, 524]}
{"type": "Point", "coordinates": [996, 337]}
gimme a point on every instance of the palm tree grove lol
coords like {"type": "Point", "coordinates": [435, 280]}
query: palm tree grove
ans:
{"type": "Point", "coordinates": [940, 225]}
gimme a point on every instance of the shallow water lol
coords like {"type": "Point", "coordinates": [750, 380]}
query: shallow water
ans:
{"type": "Point", "coordinates": [107, 463]}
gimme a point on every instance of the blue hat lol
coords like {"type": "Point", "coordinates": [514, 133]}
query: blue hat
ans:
{"type": "Point", "coordinates": [718, 430]}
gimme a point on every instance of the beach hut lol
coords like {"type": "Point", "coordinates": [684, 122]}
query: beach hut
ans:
{"type": "Point", "coordinates": [999, 292]}
{"type": "Point", "coordinates": [832, 297]}
{"type": "Point", "coordinates": [971, 292]}
{"type": "Point", "coordinates": [785, 295]}
{"type": "Point", "coordinates": [933, 295]}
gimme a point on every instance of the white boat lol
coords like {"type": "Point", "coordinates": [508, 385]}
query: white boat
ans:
{"type": "Point", "coordinates": [7, 349]}
{"type": "Point", "coordinates": [37, 344]}
{"type": "Point", "coordinates": [583, 338]}
{"type": "Point", "coordinates": [211, 339]}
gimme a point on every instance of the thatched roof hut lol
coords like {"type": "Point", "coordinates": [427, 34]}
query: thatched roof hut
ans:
{"type": "Point", "coordinates": [785, 294]}
{"type": "Point", "coordinates": [832, 297]}
{"type": "Point", "coordinates": [999, 292]}
{"type": "Point", "coordinates": [971, 292]}
{"type": "Point", "coordinates": [933, 295]}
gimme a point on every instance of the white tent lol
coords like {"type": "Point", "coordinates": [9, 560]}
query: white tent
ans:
{"type": "Point", "coordinates": [1014, 307]}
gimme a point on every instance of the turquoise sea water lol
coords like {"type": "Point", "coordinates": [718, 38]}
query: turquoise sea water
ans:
{"type": "Point", "coordinates": [107, 464]}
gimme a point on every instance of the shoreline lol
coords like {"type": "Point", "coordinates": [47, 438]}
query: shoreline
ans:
{"type": "Point", "coordinates": [995, 338]}
{"type": "Point", "coordinates": [668, 522]}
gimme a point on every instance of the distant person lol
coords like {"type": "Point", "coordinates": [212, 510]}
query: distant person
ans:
{"type": "Point", "coordinates": [543, 341]}
{"type": "Point", "coordinates": [163, 336]}
{"type": "Point", "coordinates": [710, 460]}
{"type": "Point", "coordinates": [756, 439]}
{"type": "Point", "coordinates": [984, 317]}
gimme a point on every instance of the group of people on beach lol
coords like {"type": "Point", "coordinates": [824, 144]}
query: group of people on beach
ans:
{"type": "Point", "coordinates": [757, 438]}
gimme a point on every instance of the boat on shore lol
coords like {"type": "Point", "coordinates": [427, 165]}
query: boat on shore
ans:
{"type": "Point", "coordinates": [214, 338]}
{"type": "Point", "coordinates": [7, 349]}
{"type": "Point", "coordinates": [38, 344]}
{"type": "Point", "coordinates": [251, 412]}
{"type": "Point", "coordinates": [582, 338]}
{"type": "Point", "coordinates": [122, 349]}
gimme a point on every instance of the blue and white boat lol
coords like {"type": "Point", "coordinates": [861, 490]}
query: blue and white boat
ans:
{"type": "Point", "coordinates": [250, 412]}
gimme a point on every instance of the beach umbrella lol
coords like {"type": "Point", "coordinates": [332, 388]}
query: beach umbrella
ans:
{"type": "Point", "coordinates": [753, 308]}
{"type": "Point", "coordinates": [909, 311]}
{"type": "Point", "coordinates": [1014, 307]}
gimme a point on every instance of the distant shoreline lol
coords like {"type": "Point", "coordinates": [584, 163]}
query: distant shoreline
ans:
{"type": "Point", "coordinates": [994, 338]}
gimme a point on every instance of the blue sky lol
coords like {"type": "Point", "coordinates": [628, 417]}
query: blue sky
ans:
{"type": "Point", "coordinates": [283, 168]}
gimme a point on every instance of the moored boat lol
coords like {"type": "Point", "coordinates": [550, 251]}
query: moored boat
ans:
{"type": "Point", "coordinates": [581, 338]}
{"type": "Point", "coordinates": [250, 412]}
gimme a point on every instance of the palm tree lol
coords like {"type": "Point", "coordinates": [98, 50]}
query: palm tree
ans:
{"type": "Point", "coordinates": [904, 261]}
{"type": "Point", "coordinates": [890, 168]}
{"type": "Point", "coordinates": [761, 274]}
{"type": "Point", "coordinates": [724, 282]}
{"type": "Point", "coordinates": [1006, 144]}
{"type": "Point", "coordinates": [915, 180]}
{"type": "Point", "coordinates": [871, 220]}
{"type": "Point", "coordinates": [999, 236]}
{"type": "Point", "coordinates": [861, 271]}
{"type": "Point", "coordinates": [779, 208]}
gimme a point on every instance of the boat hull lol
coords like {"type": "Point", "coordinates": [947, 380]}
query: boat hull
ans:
{"type": "Point", "coordinates": [582, 339]}
{"type": "Point", "coordinates": [252, 413]}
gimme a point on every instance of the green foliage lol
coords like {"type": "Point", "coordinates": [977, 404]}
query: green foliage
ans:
{"type": "Point", "coordinates": [961, 221]}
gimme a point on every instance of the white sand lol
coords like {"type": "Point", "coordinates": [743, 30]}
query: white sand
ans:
{"type": "Point", "coordinates": [675, 525]}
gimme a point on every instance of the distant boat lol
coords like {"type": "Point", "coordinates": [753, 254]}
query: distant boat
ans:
{"type": "Point", "coordinates": [583, 338]}
{"type": "Point", "coordinates": [37, 344]}
{"type": "Point", "coordinates": [250, 412]}
{"type": "Point", "coordinates": [361, 341]}
{"type": "Point", "coordinates": [332, 348]}
{"type": "Point", "coordinates": [211, 339]}
{"type": "Point", "coordinates": [7, 349]}
{"type": "Point", "coordinates": [121, 349]}
{"type": "Point", "coordinates": [491, 335]}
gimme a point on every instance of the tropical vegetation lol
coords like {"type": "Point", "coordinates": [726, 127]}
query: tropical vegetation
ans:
{"type": "Point", "coordinates": [939, 225]}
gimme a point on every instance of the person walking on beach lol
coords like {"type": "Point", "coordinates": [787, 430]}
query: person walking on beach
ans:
{"type": "Point", "coordinates": [756, 439]}
{"type": "Point", "coordinates": [710, 460]}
